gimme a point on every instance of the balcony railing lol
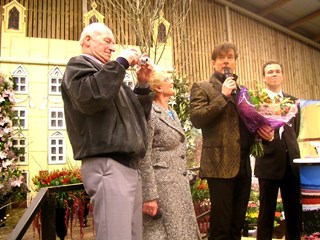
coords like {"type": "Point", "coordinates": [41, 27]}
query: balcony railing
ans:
{"type": "Point", "coordinates": [45, 199]}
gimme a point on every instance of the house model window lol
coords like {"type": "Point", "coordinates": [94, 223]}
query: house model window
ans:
{"type": "Point", "coordinates": [14, 16]}
{"type": "Point", "coordinates": [162, 33]}
{"type": "Point", "coordinates": [93, 19]}
{"type": "Point", "coordinates": [93, 15]}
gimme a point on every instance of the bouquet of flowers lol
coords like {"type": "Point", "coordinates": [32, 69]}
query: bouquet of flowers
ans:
{"type": "Point", "coordinates": [257, 109]}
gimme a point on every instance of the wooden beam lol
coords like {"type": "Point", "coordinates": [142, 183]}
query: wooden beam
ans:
{"type": "Point", "coordinates": [316, 38]}
{"type": "Point", "coordinates": [272, 7]}
{"type": "Point", "coordinates": [304, 19]}
{"type": "Point", "coordinates": [269, 23]}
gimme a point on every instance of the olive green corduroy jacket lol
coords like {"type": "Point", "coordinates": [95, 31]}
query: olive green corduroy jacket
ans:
{"type": "Point", "coordinates": [217, 117]}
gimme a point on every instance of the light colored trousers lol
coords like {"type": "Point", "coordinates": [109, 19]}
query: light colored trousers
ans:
{"type": "Point", "coordinates": [116, 193]}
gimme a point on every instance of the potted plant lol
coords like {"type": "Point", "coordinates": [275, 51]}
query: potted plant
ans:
{"type": "Point", "coordinates": [279, 221]}
{"type": "Point", "coordinates": [68, 204]}
{"type": "Point", "coordinates": [12, 187]}
{"type": "Point", "coordinates": [201, 201]}
{"type": "Point", "coordinates": [252, 213]}
{"type": "Point", "coordinates": [252, 210]}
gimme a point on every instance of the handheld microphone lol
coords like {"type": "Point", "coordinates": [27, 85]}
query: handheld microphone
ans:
{"type": "Point", "coordinates": [227, 73]}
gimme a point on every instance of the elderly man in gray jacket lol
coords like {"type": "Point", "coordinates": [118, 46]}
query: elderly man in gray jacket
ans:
{"type": "Point", "coordinates": [106, 124]}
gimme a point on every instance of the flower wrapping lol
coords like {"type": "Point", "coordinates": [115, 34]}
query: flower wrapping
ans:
{"type": "Point", "coordinates": [257, 109]}
{"type": "Point", "coordinates": [255, 115]}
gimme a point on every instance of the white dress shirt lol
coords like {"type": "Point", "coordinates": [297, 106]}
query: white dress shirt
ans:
{"type": "Point", "coordinates": [272, 95]}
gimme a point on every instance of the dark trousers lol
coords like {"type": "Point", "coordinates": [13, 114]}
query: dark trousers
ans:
{"type": "Point", "coordinates": [290, 194]}
{"type": "Point", "coordinates": [229, 200]}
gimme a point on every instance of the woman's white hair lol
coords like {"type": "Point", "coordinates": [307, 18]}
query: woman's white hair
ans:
{"type": "Point", "coordinates": [93, 29]}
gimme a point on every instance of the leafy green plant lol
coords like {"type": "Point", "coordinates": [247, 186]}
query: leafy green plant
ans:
{"type": "Point", "coordinates": [60, 177]}
{"type": "Point", "coordinates": [253, 209]}
{"type": "Point", "coordinates": [180, 103]}
{"type": "Point", "coordinates": [68, 204]}
{"type": "Point", "coordinates": [12, 183]}
{"type": "Point", "coordinates": [278, 213]}
{"type": "Point", "coordinates": [200, 190]}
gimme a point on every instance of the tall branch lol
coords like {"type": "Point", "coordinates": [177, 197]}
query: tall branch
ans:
{"type": "Point", "coordinates": [140, 16]}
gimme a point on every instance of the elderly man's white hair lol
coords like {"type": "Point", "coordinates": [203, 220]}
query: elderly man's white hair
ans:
{"type": "Point", "coordinates": [93, 29]}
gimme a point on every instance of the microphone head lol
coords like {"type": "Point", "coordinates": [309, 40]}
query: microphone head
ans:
{"type": "Point", "coordinates": [227, 72]}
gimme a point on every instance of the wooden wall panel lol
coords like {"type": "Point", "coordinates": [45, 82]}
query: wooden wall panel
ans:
{"type": "Point", "coordinates": [58, 19]}
{"type": "Point", "coordinates": [193, 42]}
{"type": "Point", "coordinates": [257, 43]}
{"type": "Point", "coordinates": [198, 36]}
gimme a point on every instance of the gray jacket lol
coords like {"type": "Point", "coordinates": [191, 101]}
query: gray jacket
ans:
{"type": "Point", "coordinates": [163, 172]}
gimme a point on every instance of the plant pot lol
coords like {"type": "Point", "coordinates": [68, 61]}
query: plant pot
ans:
{"type": "Point", "coordinates": [252, 232]}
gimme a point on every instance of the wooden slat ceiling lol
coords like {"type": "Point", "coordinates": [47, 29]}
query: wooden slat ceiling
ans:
{"type": "Point", "coordinates": [302, 17]}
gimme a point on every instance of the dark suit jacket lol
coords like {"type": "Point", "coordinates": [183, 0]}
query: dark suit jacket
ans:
{"type": "Point", "coordinates": [273, 164]}
{"type": "Point", "coordinates": [217, 117]}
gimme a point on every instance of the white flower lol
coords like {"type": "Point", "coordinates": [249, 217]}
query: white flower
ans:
{"type": "Point", "coordinates": [4, 120]}
{"type": "Point", "coordinates": [11, 97]}
{"type": "Point", "coordinates": [17, 182]}
{"type": "Point", "coordinates": [6, 163]}
{"type": "Point", "coordinates": [3, 155]}
{"type": "Point", "coordinates": [7, 130]}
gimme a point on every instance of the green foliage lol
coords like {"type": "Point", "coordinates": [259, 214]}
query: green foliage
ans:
{"type": "Point", "coordinates": [180, 103]}
{"type": "Point", "coordinates": [253, 209]}
{"type": "Point", "coordinates": [61, 177]}
{"type": "Point", "coordinates": [12, 184]}
{"type": "Point", "coordinates": [200, 190]}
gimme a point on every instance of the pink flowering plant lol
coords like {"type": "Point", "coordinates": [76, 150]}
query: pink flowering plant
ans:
{"type": "Point", "coordinates": [12, 184]}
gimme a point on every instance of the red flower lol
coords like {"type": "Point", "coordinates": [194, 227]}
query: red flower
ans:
{"type": "Point", "coordinates": [65, 180]}
{"type": "Point", "coordinates": [277, 214]}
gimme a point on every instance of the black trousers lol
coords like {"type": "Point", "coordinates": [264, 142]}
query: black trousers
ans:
{"type": "Point", "coordinates": [289, 187]}
{"type": "Point", "coordinates": [229, 200]}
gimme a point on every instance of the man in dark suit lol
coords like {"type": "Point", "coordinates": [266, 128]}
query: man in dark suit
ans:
{"type": "Point", "coordinates": [276, 168]}
{"type": "Point", "coordinates": [226, 144]}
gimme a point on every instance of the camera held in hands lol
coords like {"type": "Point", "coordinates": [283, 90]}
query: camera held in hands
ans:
{"type": "Point", "coordinates": [143, 60]}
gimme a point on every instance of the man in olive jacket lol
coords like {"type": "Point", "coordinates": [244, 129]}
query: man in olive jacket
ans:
{"type": "Point", "coordinates": [226, 144]}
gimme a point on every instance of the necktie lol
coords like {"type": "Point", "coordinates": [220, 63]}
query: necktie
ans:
{"type": "Point", "coordinates": [281, 129]}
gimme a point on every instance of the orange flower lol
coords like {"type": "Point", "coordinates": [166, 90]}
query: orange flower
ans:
{"type": "Point", "coordinates": [277, 214]}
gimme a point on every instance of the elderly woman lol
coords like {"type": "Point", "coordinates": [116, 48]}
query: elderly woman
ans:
{"type": "Point", "coordinates": [168, 209]}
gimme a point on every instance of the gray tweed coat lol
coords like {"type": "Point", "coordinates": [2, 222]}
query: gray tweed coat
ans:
{"type": "Point", "coordinates": [164, 178]}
